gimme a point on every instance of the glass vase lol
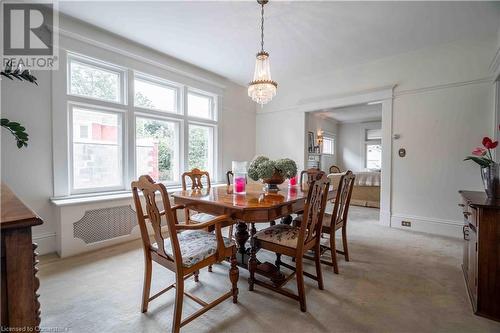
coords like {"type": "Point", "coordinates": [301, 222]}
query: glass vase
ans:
{"type": "Point", "coordinates": [491, 180]}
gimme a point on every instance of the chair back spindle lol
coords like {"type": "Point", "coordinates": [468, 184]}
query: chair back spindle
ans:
{"type": "Point", "coordinates": [314, 208]}
{"type": "Point", "coordinates": [342, 199]}
{"type": "Point", "coordinates": [149, 189]}
{"type": "Point", "coordinates": [196, 176]}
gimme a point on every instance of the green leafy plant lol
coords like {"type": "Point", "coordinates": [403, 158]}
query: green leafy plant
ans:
{"type": "Point", "coordinates": [18, 73]}
{"type": "Point", "coordinates": [262, 167]}
{"type": "Point", "coordinates": [17, 130]}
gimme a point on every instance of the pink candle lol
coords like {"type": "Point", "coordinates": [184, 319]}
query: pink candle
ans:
{"type": "Point", "coordinates": [293, 181]}
{"type": "Point", "coordinates": [239, 184]}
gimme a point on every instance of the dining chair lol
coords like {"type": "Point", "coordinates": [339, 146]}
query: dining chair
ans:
{"type": "Point", "coordinates": [307, 176]}
{"type": "Point", "coordinates": [338, 220]}
{"type": "Point", "coordinates": [334, 169]}
{"type": "Point", "coordinates": [185, 250]}
{"type": "Point", "coordinates": [294, 241]}
{"type": "Point", "coordinates": [197, 177]}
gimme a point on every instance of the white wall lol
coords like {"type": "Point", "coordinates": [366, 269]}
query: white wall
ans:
{"type": "Point", "coordinates": [29, 171]}
{"type": "Point", "coordinates": [351, 144]}
{"type": "Point", "coordinates": [281, 135]}
{"type": "Point", "coordinates": [315, 122]}
{"type": "Point", "coordinates": [443, 106]}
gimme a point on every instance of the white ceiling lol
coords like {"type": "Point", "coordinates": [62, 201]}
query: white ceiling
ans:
{"type": "Point", "coordinates": [303, 38]}
{"type": "Point", "coordinates": [354, 114]}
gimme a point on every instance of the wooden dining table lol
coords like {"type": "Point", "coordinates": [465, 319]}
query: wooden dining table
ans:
{"type": "Point", "coordinates": [255, 206]}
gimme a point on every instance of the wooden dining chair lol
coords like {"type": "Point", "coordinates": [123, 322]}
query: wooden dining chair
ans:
{"type": "Point", "coordinates": [305, 179]}
{"type": "Point", "coordinates": [338, 220]}
{"type": "Point", "coordinates": [197, 177]}
{"type": "Point", "coordinates": [294, 241]}
{"type": "Point", "coordinates": [307, 176]}
{"type": "Point", "coordinates": [185, 250]}
{"type": "Point", "coordinates": [334, 169]}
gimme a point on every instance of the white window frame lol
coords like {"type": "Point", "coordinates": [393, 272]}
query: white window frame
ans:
{"type": "Point", "coordinates": [101, 65]}
{"type": "Point", "coordinates": [178, 148]}
{"type": "Point", "coordinates": [370, 142]}
{"type": "Point", "coordinates": [122, 117]}
{"type": "Point", "coordinates": [212, 164]}
{"type": "Point", "coordinates": [129, 68]}
{"type": "Point", "coordinates": [213, 104]}
{"type": "Point", "coordinates": [333, 139]}
{"type": "Point", "coordinates": [163, 83]}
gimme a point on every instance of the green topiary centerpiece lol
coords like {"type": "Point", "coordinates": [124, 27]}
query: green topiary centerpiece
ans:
{"type": "Point", "coordinates": [271, 172]}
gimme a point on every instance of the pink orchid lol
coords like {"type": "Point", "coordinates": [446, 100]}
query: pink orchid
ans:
{"type": "Point", "coordinates": [479, 151]}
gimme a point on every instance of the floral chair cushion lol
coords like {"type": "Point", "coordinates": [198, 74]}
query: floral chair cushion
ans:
{"type": "Point", "coordinates": [201, 218]}
{"type": "Point", "coordinates": [281, 234]}
{"type": "Point", "coordinates": [196, 245]}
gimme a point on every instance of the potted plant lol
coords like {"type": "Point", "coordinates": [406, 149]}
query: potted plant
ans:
{"type": "Point", "coordinates": [272, 173]}
{"type": "Point", "coordinates": [490, 170]}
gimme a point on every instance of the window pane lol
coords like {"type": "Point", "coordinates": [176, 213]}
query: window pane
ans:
{"type": "Point", "coordinates": [374, 134]}
{"type": "Point", "coordinates": [153, 95]}
{"type": "Point", "coordinates": [328, 146]}
{"type": "Point", "coordinates": [97, 149]}
{"type": "Point", "coordinates": [95, 82]}
{"type": "Point", "coordinates": [200, 106]}
{"type": "Point", "coordinates": [200, 154]}
{"type": "Point", "coordinates": [374, 156]}
{"type": "Point", "coordinates": [156, 149]}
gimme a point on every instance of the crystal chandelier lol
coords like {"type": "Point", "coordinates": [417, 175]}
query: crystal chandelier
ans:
{"type": "Point", "coordinates": [262, 89]}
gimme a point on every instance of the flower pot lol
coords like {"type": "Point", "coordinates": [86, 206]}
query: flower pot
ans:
{"type": "Point", "coordinates": [491, 180]}
{"type": "Point", "coordinates": [273, 182]}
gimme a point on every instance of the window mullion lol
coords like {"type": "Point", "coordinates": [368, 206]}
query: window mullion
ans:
{"type": "Point", "coordinates": [185, 132]}
{"type": "Point", "coordinates": [130, 131]}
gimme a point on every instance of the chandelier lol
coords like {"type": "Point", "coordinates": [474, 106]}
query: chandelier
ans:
{"type": "Point", "coordinates": [262, 89]}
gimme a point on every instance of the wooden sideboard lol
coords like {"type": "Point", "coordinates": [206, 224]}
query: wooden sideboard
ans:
{"type": "Point", "coordinates": [481, 257]}
{"type": "Point", "coordinates": [20, 308]}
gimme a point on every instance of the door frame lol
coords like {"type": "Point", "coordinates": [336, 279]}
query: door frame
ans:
{"type": "Point", "coordinates": [385, 96]}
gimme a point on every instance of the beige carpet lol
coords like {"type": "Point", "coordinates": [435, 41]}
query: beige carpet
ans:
{"type": "Point", "coordinates": [396, 281]}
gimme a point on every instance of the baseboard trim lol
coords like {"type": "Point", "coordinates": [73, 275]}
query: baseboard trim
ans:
{"type": "Point", "coordinates": [434, 226]}
{"type": "Point", "coordinates": [46, 242]}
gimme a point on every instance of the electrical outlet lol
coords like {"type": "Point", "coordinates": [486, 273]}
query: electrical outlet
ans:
{"type": "Point", "coordinates": [406, 224]}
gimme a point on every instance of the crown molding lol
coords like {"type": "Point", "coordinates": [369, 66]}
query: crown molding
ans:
{"type": "Point", "coordinates": [423, 90]}
{"type": "Point", "coordinates": [108, 47]}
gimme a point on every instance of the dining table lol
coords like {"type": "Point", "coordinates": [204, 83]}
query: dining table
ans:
{"type": "Point", "coordinates": [254, 206]}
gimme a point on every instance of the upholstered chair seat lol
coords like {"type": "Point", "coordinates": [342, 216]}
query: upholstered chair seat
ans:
{"type": "Point", "coordinates": [201, 218]}
{"type": "Point", "coordinates": [281, 234]}
{"type": "Point", "coordinates": [196, 245]}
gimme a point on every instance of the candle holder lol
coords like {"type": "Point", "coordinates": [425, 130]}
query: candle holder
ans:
{"type": "Point", "coordinates": [240, 177]}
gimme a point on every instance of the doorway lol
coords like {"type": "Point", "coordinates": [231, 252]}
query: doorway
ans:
{"type": "Point", "coordinates": [372, 136]}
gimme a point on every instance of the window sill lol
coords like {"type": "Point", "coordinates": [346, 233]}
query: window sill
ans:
{"type": "Point", "coordinates": [103, 197]}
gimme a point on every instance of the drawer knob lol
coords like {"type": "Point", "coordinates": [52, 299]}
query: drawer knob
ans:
{"type": "Point", "coordinates": [467, 214]}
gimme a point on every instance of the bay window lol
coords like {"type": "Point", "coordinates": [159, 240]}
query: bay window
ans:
{"type": "Point", "coordinates": [123, 124]}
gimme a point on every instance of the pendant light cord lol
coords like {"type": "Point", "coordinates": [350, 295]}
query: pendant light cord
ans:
{"type": "Point", "coordinates": [262, 28]}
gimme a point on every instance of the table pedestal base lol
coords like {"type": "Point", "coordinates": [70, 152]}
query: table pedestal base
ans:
{"type": "Point", "coordinates": [265, 269]}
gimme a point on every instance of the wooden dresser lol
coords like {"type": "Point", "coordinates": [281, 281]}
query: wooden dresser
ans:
{"type": "Point", "coordinates": [20, 308]}
{"type": "Point", "coordinates": [481, 262]}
